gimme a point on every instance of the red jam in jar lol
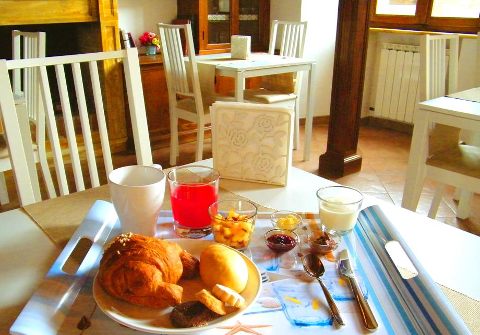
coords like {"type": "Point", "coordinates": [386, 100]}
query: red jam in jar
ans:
{"type": "Point", "coordinates": [281, 242]}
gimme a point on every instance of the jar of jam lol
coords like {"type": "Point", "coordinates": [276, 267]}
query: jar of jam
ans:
{"type": "Point", "coordinates": [281, 240]}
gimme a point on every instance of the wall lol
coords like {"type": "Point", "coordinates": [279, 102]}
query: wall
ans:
{"type": "Point", "coordinates": [466, 64]}
{"type": "Point", "coordinates": [320, 43]}
{"type": "Point", "coordinates": [138, 16]}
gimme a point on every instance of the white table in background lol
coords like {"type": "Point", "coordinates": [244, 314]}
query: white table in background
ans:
{"type": "Point", "coordinates": [448, 110]}
{"type": "Point", "coordinates": [262, 64]}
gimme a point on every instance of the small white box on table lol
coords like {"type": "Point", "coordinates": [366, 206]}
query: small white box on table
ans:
{"type": "Point", "coordinates": [240, 46]}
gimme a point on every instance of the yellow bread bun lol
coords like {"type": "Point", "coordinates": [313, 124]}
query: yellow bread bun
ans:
{"type": "Point", "coordinates": [222, 265]}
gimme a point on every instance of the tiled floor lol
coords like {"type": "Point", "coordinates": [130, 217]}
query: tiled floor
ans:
{"type": "Point", "coordinates": [385, 157]}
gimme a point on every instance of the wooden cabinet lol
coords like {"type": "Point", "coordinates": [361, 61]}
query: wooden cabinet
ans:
{"type": "Point", "coordinates": [215, 21]}
{"type": "Point", "coordinates": [156, 97]}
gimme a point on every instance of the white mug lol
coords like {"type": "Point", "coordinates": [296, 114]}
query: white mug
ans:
{"type": "Point", "coordinates": [137, 193]}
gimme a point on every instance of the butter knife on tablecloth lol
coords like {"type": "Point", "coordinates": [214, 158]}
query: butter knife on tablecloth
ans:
{"type": "Point", "coordinates": [345, 268]}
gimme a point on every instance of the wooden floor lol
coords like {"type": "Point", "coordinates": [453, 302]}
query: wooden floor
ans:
{"type": "Point", "coordinates": [385, 157]}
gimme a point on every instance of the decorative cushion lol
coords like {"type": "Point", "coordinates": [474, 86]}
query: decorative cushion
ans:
{"type": "Point", "coordinates": [252, 142]}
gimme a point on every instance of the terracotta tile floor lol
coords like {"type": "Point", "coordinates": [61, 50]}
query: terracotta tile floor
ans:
{"type": "Point", "coordinates": [385, 157]}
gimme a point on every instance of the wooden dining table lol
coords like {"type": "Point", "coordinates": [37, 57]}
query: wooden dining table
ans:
{"type": "Point", "coordinates": [31, 238]}
{"type": "Point", "coordinates": [263, 64]}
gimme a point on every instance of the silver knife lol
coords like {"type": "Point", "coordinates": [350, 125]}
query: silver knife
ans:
{"type": "Point", "coordinates": [345, 268]}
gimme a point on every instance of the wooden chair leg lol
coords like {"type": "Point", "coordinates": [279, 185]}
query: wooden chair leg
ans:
{"type": "Point", "coordinates": [296, 127]}
{"type": "Point", "coordinates": [437, 198]}
{"type": "Point", "coordinates": [4, 199]}
{"type": "Point", "coordinates": [200, 139]}
{"type": "Point", "coordinates": [174, 150]}
{"type": "Point", "coordinates": [463, 210]}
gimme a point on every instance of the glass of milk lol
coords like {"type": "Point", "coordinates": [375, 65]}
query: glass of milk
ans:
{"type": "Point", "coordinates": [338, 208]}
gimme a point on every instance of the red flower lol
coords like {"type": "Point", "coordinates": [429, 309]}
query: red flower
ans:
{"type": "Point", "coordinates": [149, 38]}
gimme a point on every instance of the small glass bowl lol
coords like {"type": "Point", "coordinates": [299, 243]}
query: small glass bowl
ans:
{"type": "Point", "coordinates": [281, 240]}
{"type": "Point", "coordinates": [286, 220]}
{"type": "Point", "coordinates": [322, 242]}
{"type": "Point", "coordinates": [233, 222]}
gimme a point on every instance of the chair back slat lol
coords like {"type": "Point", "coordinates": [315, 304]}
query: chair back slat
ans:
{"type": "Point", "coordinates": [51, 127]}
{"type": "Point", "coordinates": [174, 60]}
{"type": "Point", "coordinates": [182, 77]}
{"type": "Point", "coordinates": [85, 123]}
{"type": "Point", "coordinates": [69, 127]}
{"type": "Point", "coordinates": [439, 65]}
{"type": "Point", "coordinates": [78, 82]}
{"type": "Point", "coordinates": [100, 116]}
{"type": "Point", "coordinates": [25, 82]}
{"type": "Point", "coordinates": [291, 37]}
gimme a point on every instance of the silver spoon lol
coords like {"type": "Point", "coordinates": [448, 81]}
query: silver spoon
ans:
{"type": "Point", "coordinates": [314, 267]}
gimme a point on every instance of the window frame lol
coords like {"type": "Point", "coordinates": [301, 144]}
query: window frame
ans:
{"type": "Point", "coordinates": [423, 21]}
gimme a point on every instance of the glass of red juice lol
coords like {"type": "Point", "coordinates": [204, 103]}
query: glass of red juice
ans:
{"type": "Point", "coordinates": [192, 190]}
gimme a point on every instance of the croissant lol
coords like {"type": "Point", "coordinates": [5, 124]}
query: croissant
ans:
{"type": "Point", "coordinates": [144, 270]}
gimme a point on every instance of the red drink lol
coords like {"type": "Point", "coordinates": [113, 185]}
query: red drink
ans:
{"type": "Point", "coordinates": [193, 189]}
{"type": "Point", "coordinates": [190, 204]}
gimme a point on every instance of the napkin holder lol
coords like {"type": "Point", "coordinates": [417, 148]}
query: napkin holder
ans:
{"type": "Point", "coordinates": [240, 46]}
{"type": "Point", "coordinates": [252, 142]}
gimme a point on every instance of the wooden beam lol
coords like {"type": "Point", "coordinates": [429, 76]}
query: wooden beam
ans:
{"type": "Point", "coordinates": [341, 157]}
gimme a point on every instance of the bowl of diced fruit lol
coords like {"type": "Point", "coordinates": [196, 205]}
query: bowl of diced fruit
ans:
{"type": "Point", "coordinates": [233, 222]}
{"type": "Point", "coordinates": [286, 220]}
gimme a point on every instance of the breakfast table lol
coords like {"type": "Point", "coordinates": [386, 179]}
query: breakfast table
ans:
{"type": "Point", "coordinates": [31, 239]}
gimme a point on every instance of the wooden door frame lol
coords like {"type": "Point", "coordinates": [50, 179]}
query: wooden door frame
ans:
{"type": "Point", "coordinates": [341, 157]}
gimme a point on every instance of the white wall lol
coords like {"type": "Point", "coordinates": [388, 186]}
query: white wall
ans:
{"type": "Point", "coordinates": [319, 45]}
{"type": "Point", "coordinates": [138, 16]}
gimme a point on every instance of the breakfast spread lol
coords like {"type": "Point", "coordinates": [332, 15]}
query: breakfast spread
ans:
{"type": "Point", "coordinates": [233, 230]}
{"type": "Point", "coordinates": [154, 273]}
{"type": "Point", "coordinates": [145, 271]}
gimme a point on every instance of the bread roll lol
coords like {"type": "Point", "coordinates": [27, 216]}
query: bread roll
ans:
{"type": "Point", "coordinates": [222, 265]}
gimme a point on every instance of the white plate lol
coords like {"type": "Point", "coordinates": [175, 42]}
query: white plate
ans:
{"type": "Point", "coordinates": [157, 320]}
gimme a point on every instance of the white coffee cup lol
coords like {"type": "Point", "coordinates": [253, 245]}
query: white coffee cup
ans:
{"type": "Point", "coordinates": [137, 193]}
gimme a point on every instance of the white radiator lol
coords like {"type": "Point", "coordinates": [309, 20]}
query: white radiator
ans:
{"type": "Point", "coordinates": [397, 85]}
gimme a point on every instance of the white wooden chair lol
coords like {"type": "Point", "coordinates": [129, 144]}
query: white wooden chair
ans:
{"type": "Point", "coordinates": [26, 91]}
{"type": "Point", "coordinates": [65, 148]}
{"type": "Point", "coordinates": [184, 88]}
{"type": "Point", "coordinates": [448, 161]}
{"type": "Point", "coordinates": [283, 89]}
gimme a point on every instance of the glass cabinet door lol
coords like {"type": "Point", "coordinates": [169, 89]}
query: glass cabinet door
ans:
{"type": "Point", "coordinates": [248, 19]}
{"type": "Point", "coordinates": [219, 17]}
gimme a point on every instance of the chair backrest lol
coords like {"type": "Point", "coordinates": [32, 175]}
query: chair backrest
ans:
{"type": "Point", "coordinates": [438, 77]}
{"type": "Point", "coordinates": [291, 37]}
{"type": "Point", "coordinates": [438, 65]}
{"type": "Point", "coordinates": [25, 81]}
{"type": "Point", "coordinates": [182, 77]}
{"type": "Point", "coordinates": [86, 86]}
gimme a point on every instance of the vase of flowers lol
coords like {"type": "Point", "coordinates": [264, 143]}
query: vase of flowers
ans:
{"type": "Point", "coordinates": [150, 41]}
